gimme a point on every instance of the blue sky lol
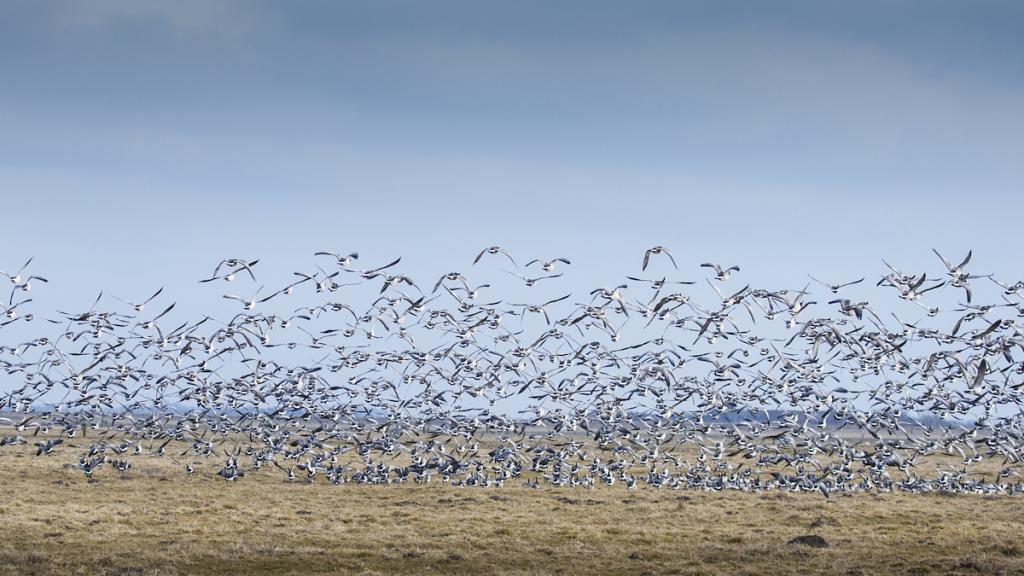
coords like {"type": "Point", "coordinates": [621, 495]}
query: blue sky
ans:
{"type": "Point", "coordinates": [141, 141]}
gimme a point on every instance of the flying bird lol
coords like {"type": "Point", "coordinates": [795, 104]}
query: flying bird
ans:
{"type": "Point", "coordinates": [658, 250]}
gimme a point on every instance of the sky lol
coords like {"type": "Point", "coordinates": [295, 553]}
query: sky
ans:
{"type": "Point", "coordinates": [143, 141]}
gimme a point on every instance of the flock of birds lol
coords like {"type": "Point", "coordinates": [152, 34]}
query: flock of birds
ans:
{"type": "Point", "coordinates": [367, 376]}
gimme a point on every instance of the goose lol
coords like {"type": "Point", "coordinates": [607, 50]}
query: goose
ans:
{"type": "Point", "coordinates": [657, 250]}
{"type": "Point", "coordinates": [140, 306]}
{"type": "Point", "coordinates": [344, 261]}
{"type": "Point", "coordinates": [47, 446]}
{"type": "Point", "coordinates": [235, 265]}
{"type": "Point", "coordinates": [247, 304]}
{"type": "Point", "coordinates": [541, 308]}
{"type": "Point", "coordinates": [16, 277]}
{"type": "Point", "coordinates": [495, 250]}
{"type": "Point", "coordinates": [835, 288]}
{"type": "Point", "coordinates": [959, 277]}
{"type": "Point", "coordinates": [436, 388]}
{"type": "Point", "coordinates": [955, 272]}
{"type": "Point", "coordinates": [375, 272]}
{"type": "Point", "coordinates": [915, 290]}
{"type": "Point", "coordinates": [450, 276]}
{"type": "Point", "coordinates": [152, 323]}
{"type": "Point", "coordinates": [12, 308]}
{"type": "Point", "coordinates": [721, 274]}
{"type": "Point", "coordinates": [548, 265]}
{"type": "Point", "coordinates": [26, 285]}
{"type": "Point", "coordinates": [531, 282]}
{"type": "Point", "coordinates": [657, 285]}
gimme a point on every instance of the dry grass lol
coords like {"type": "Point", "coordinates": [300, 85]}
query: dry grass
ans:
{"type": "Point", "coordinates": [156, 520]}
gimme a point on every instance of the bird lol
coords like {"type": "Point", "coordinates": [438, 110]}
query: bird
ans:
{"type": "Point", "coordinates": [343, 260]}
{"type": "Point", "coordinates": [957, 273]}
{"type": "Point", "coordinates": [47, 446]}
{"type": "Point", "coordinates": [958, 270]}
{"type": "Point", "coordinates": [247, 303]}
{"type": "Point", "coordinates": [530, 282]}
{"type": "Point", "coordinates": [835, 288]}
{"type": "Point", "coordinates": [548, 265]}
{"type": "Point", "coordinates": [847, 307]}
{"type": "Point", "coordinates": [495, 250]}
{"type": "Point", "coordinates": [151, 323]}
{"type": "Point", "coordinates": [657, 250]}
{"type": "Point", "coordinates": [721, 273]}
{"type": "Point", "coordinates": [26, 284]}
{"type": "Point", "coordinates": [542, 308]}
{"type": "Point", "coordinates": [234, 266]}
{"type": "Point", "coordinates": [755, 389]}
{"type": "Point", "coordinates": [916, 289]}
{"type": "Point", "coordinates": [661, 283]}
{"type": "Point", "coordinates": [450, 276]}
{"type": "Point", "coordinates": [15, 278]}
{"type": "Point", "coordinates": [368, 274]}
{"type": "Point", "coordinates": [140, 306]}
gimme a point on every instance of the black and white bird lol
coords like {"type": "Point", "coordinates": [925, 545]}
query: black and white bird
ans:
{"type": "Point", "coordinates": [655, 251]}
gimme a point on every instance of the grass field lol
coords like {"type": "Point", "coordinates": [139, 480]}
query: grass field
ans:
{"type": "Point", "coordinates": [156, 520]}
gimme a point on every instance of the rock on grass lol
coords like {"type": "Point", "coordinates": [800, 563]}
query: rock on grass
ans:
{"type": "Point", "coordinates": [812, 540]}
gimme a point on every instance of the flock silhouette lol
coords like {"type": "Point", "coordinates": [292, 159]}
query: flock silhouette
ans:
{"type": "Point", "coordinates": [345, 373]}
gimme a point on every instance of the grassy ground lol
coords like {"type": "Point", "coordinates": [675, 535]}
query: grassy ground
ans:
{"type": "Point", "coordinates": [157, 520]}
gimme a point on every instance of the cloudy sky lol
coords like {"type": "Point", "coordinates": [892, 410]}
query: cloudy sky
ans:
{"type": "Point", "coordinates": [140, 142]}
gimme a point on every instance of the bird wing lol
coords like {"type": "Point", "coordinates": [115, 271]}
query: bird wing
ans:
{"type": "Point", "coordinates": [944, 261]}
{"type": "Point", "coordinates": [966, 260]}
